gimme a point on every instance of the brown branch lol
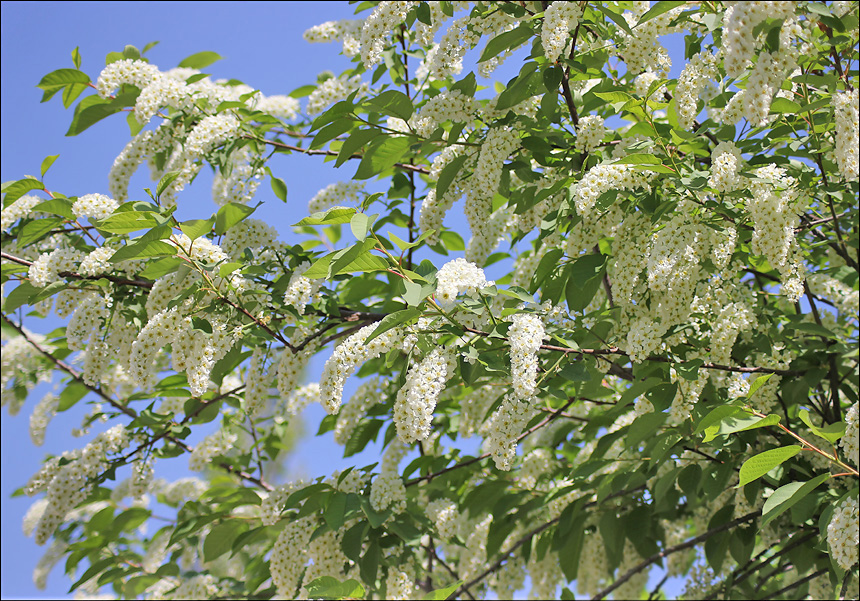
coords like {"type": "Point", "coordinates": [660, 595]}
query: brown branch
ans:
{"type": "Point", "coordinates": [312, 152]}
{"type": "Point", "coordinates": [674, 549]}
{"type": "Point", "coordinates": [76, 276]}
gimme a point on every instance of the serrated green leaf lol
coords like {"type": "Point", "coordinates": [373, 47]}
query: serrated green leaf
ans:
{"type": "Point", "coordinates": [165, 181]}
{"type": "Point", "coordinates": [658, 9]}
{"type": "Point", "coordinates": [360, 225]}
{"type": "Point", "coordinates": [506, 41]}
{"type": "Point", "coordinates": [448, 174]}
{"type": "Point", "coordinates": [200, 60]}
{"type": "Point", "coordinates": [359, 257]}
{"type": "Point", "coordinates": [37, 229]}
{"type": "Point", "coordinates": [46, 164]}
{"type": "Point", "coordinates": [328, 587]}
{"type": "Point", "coordinates": [759, 382]}
{"type": "Point", "coordinates": [716, 416]}
{"type": "Point", "coordinates": [279, 187]}
{"type": "Point", "coordinates": [784, 105]}
{"type": "Point", "coordinates": [194, 228]}
{"type": "Point", "coordinates": [148, 245]}
{"type": "Point", "coordinates": [785, 497]}
{"type": "Point", "coordinates": [20, 188]}
{"type": "Point", "coordinates": [391, 102]}
{"type": "Point", "coordinates": [221, 537]}
{"type": "Point", "coordinates": [382, 156]}
{"type": "Point", "coordinates": [127, 222]}
{"type": "Point", "coordinates": [93, 109]}
{"type": "Point", "coordinates": [229, 215]}
{"type": "Point", "coordinates": [616, 18]}
{"type": "Point", "coordinates": [758, 465]}
{"type": "Point", "coordinates": [356, 141]}
{"type": "Point", "coordinates": [20, 296]}
{"type": "Point", "coordinates": [71, 394]}
{"type": "Point", "coordinates": [160, 267]}
{"type": "Point", "coordinates": [440, 594]}
{"type": "Point", "coordinates": [332, 216]}
{"type": "Point", "coordinates": [392, 320]}
{"type": "Point", "coordinates": [831, 432]}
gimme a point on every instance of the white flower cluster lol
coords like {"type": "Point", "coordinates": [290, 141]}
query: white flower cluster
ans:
{"type": "Point", "coordinates": [242, 182]}
{"type": "Point", "coordinates": [257, 383]}
{"type": "Point", "coordinates": [132, 72]}
{"type": "Point", "coordinates": [67, 485]}
{"type": "Point", "coordinates": [558, 21]}
{"type": "Point", "coordinates": [739, 21]}
{"type": "Point", "coordinates": [336, 194]}
{"type": "Point", "coordinates": [48, 267]}
{"type": "Point", "coordinates": [369, 393]}
{"type": "Point", "coordinates": [849, 442]}
{"type": "Point", "coordinates": [846, 110]}
{"type": "Point", "coordinates": [643, 82]}
{"type": "Point", "coordinates": [161, 330]}
{"type": "Point", "coordinates": [301, 397]}
{"type": "Point", "coordinates": [51, 558]}
{"type": "Point", "coordinates": [215, 445]}
{"type": "Point", "coordinates": [249, 233]}
{"type": "Point", "coordinates": [210, 132]}
{"type": "Point", "coordinates": [694, 79]}
{"type": "Point", "coordinates": [446, 58]}
{"type": "Point", "coordinates": [86, 321]}
{"type": "Point", "coordinates": [450, 105]}
{"type": "Point", "coordinates": [416, 401]}
{"type": "Point", "coordinates": [301, 290]}
{"type": "Point", "coordinates": [289, 554]}
{"type": "Point", "coordinates": [291, 365]}
{"type": "Point", "coordinates": [773, 208]}
{"type": "Point", "coordinates": [162, 91]}
{"type": "Point", "coordinates": [445, 515]}
{"type": "Point", "coordinates": [378, 27]}
{"type": "Point", "coordinates": [526, 334]}
{"type": "Point", "coordinates": [196, 352]}
{"type": "Point", "coordinates": [20, 209]}
{"type": "Point", "coordinates": [400, 583]}
{"type": "Point", "coordinates": [846, 299]}
{"type": "Point", "coordinates": [280, 106]}
{"type": "Point", "coordinates": [347, 30]}
{"type": "Point", "coordinates": [126, 164]}
{"type": "Point", "coordinates": [184, 489]}
{"type": "Point", "coordinates": [725, 162]}
{"type": "Point", "coordinates": [97, 262]}
{"type": "Point", "coordinates": [642, 51]}
{"type": "Point", "coordinates": [589, 132]}
{"type": "Point", "coordinates": [332, 90]}
{"type": "Point", "coordinates": [603, 178]}
{"type": "Point", "coordinates": [42, 414]}
{"type": "Point", "coordinates": [346, 358]}
{"type": "Point", "coordinates": [456, 277]}
{"type": "Point", "coordinates": [433, 209]}
{"type": "Point", "coordinates": [843, 534]}
{"type": "Point", "coordinates": [387, 490]}
{"type": "Point", "coordinates": [473, 559]}
{"type": "Point", "coordinates": [506, 424]}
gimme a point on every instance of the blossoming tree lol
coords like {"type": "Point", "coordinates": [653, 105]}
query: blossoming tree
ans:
{"type": "Point", "coordinates": [664, 382]}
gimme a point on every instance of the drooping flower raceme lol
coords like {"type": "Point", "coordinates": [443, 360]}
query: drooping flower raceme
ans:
{"type": "Point", "coordinates": [456, 277]}
{"type": "Point", "coordinates": [413, 410]}
{"type": "Point", "coordinates": [558, 21]}
{"type": "Point", "coordinates": [843, 534]}
{"type": "Point", "coordinates": [526, 335]}
{"type": "Point", "coordinates": [846, 109]}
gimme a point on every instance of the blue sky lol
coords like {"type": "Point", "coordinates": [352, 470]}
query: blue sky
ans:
{"type": "Point", "coordinates": [261, 44]}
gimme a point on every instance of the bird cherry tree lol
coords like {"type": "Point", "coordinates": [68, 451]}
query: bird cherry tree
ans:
{"type": "Point", "coordinates": [663, 384]}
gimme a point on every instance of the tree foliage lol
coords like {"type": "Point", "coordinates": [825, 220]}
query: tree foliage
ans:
{"type": "Point", "coordinates": [664, 379]}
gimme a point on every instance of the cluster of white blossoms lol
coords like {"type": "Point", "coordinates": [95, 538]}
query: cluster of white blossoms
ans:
{"type": "Point", "coordinates": [291, 363]}
{"type": "Point", "coordinates": [739, 21]}
{"type": "Point", "coordinates": [505, 425]}
{"type": "Point", "coordinates": [289, 554]}
{"type": "Point", "coordinates": [725, 163]}
{"type": "Point", "coordinates": [257, 383]}
{"type": "Point", "coordinates": [774, 210]}
{"type": "Point", "coordinates": [378, 27]}
{"type": "Point", "coordinates": [846, 299]}
{"type": "Point", "coordinates": [336, 194]}
{"type": "Point", "coordinates": [48, 267]}
{"type": "Point", "coordinates": [846, 110]}
{"type": "Point", "coordinates": [301, 397]}
{"type": "Point", "coordinates": [497, 147]}
{"type": "Point", "coordinates": [210, 132]}
{"type": "Point", "coordinates": [126, 71]}
{"type": "Point", "coordinates": [242, 182]}
{"type": "Point", "coordinates": [558, 21]}
{"type": "Point", "coordinates": [42, 414]}
{"type": "Point", "coordinates": [589, 132]}
{"type": "Point", "coordinates": [446, 58]}
{"type": "Point", "coordinates": [400, 582]}
{"type": "Point", "coordinates": [346, 30]}
{"type": "Point", "coordinates": [86, 320]}
{"type": "Point", "coordinates": [850, 443]}
{"type": "Point", "coordinates": [525, 335]}
{"type": "Point", "coordinates": [433, 209]}
{"type": "Point", "coordinates": [605, 177]}
{"type": "Point", "coordinates": [351, 353]}
{"type": "Point", "coordinates": [129, 159]}
{"type": "Point", "coordinates": [332, 90]}
{"type": "Point", "coordinates": [416, 401]}
{"type": "Point", "coordinates": [161, 330]}
{"type": "Point", "coordinates": [20, 209]}
{"type": "Point", "coordinates": [280, 106]}
{"type": "Point", "coordinates": [445, 515]}
{"type": "Point", "coordinates": [196, 352]}
{"type": "Point", "coordinates": [843, 534]}
{"type": "Point", "coordinates": [301, 290]}
{"type": "Point", "coordinates": [694, 79]}
{"type": "Point", "coordinates": [387, 490]}
{"type": "Point", "coordinates": [215, 445]}
{"type": "Point", "coordinates": [249, 233]}
{"type": "Point", "coordinates": [97, 262]}
{"type": "Point", "coordinates": [473, 559]}
{"type": "Point", "coordinates": [369, 393]}
{"type": "Point", "coordinates": [66, 485]}
{"type": "Point", "coordinates": [642, 51]}
{"type": "Point", "coordinates": [450, 105]}
{"type": "Point", "coordinates": [456, 277]}
{"type": "Point", "coordinates": [642, 84]}
{"type": "Point", "coordinates": [163, 91]}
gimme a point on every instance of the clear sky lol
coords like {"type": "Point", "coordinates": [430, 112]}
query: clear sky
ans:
{"type": "Point", "coordinates": [262, 45]}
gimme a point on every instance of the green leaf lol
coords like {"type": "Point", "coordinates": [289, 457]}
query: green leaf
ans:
{"type": "Point", "coordinates": [831, 432]}
{"type": "Point", "coordinates": [784, 105]}
{"type": "Point", "coordinates": [335, 511]}
{"type": "Point", "coordinates": [784, 497]}
{"type": "Point", "coordinates": [356, 258]}
{"type": "Point", "coordinates": [127, 222]}
{"type": "Point", "coordinates": [279, 187]}
{"type": "Point", "coordinates": [440, 594]}
{"type": "Point", "coordinates": [616, 18]}
{"type": "Point", "coordinates": [76, 57]}
{"type": "Point", "coordinates": [521, 88]}
{"type": "Point", "coordinates": [194, 228]}
{"type": "Point", "coordinates": [160, 267]}
{"type": "Point", "coordinates": [328, 587]}
{"type": "Point", "coordinates": [658, 9]}
{"type": "Point", "coordinates": [201, 60]}
{"type": "Point", "coordinates": [165, 181]}
{"type": "Point", "coordinates": [416, 293]}
{"type": "Point", "coordinates": [20, 296]}
{"type": "Point", "coordinates": [37, 229]}
{"type": "Point", "coordinates": [333, 216]}
{"type": "Point", "coordinates": [741, 423]}
{"type": "Point", "coordinates": [46, 164]}
{"type": "Point", "coordinates": [148, 245]}
{"type": "Point", "coordinates": [369, 563]}
{"type": "Point", "coordinates": [446, 177]}
{"type": "Point", "coordinates": [71, 394]}
{"type": "Point", "coordinates": [716, 416]}
{"type": "Point", "coordinates": [505, 41]}
{"type": "Point", "coordinates": [645, 161]}
{"type": "Point", "coordinates": [302, 91]}
{"type": "Point", "coordinates": [20, 188]}
{"type": "Point", "coordinates": [392, 320]}
{"type": "Point", "coordinates": [356, 141]}
{"type": "Point", "coordinates": [93, 109]}
{"type": "Point", "coordinates": [392, 102]}
{"type": "Point", "coordinates": [360, 225]}
{"type": "Point", "coordinates": [382, 156]}
{"type": "Point", "coordinates": [220, 538]}
{"type": "Point", "coordinates": [229, 215]}
{"type": "Point", "coordinates": [758, 465]}
{"type": "Point", "coordinates": [55, 81]}
{"type": "Point", "coordinates": [585, 277]}
{"type": "Point", "coordinates": [759, 382]}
